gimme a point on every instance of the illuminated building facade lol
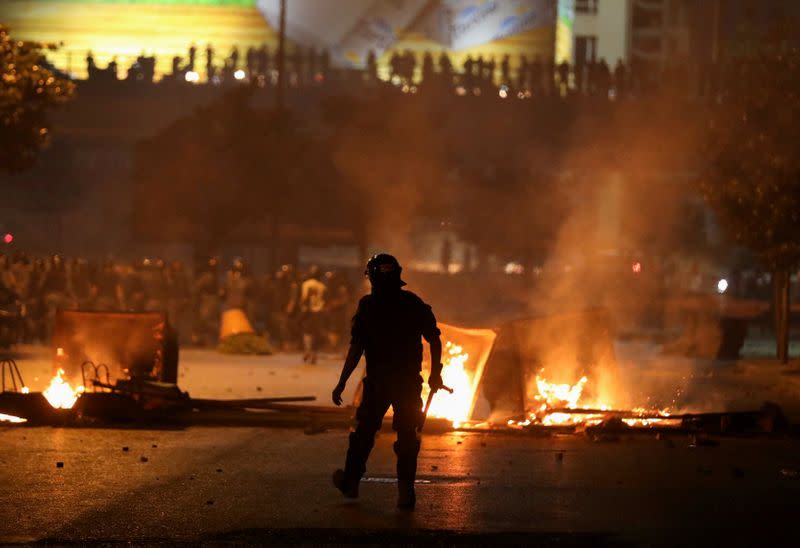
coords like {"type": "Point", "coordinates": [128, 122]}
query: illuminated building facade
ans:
{"type": "Point", "coordinates": [123, 30]}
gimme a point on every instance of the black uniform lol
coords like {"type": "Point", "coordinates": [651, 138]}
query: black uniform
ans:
{"type": "Point", "coordinates": [389, 326]}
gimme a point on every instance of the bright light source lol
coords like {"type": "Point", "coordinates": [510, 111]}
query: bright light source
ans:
{"type": "Point", "coordinates": [8, 238]}
{"type": "Point", "coordinates": [460, 91]}
{"type": "Point", "coordinates": [636, 267]}
{"type": "Point", "coordinates": [722, 286]}
{"type": "Point", "coordinates": [503, 93]}
{"type": "Point", "coordinates": [239, 74]}
{"type": "Point", "coordinates": [192, 76]}
{"type": "Point", "coordinates": [514, 268]}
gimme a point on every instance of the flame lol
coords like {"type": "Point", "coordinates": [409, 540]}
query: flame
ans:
{"type": "Point", "coordinates": [11, 418]}
{"type": "Point", "coordinates": [551, 396]}
{"type": "Point", "coordinates": [60, 394]}
{"type": "Point", "coordinates": [454, 407]}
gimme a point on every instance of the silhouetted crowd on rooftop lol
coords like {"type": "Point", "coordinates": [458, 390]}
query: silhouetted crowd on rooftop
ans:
{"type": "Point", "coordinates": [517, 76]}
{"type": "Point", "coordinates": [33, 289]}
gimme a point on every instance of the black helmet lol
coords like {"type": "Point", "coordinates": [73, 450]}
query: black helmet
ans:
{"type": "Point", "coordinates": [384, 270]}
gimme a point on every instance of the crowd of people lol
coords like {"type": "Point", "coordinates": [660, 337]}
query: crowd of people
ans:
{"type": "Point", "coordinates": [293, 309]}
{"type": "Point", "coordinates": [522, 75]}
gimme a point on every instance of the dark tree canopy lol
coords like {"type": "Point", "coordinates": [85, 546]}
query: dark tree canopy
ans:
{"type": "Point", "coordinates": [230, 167]}
{"type": "Point", "coordinates": [28, 91]}
{"type": "Point", "coordinates": [753, 180]}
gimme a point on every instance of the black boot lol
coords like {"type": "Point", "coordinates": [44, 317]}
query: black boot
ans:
{"type": "Point", "coordinates": [406, 498]}
{"type": "Point", "coordinates": [348, 486]}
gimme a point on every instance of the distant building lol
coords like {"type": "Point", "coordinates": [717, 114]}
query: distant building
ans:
{"type": "Point", "coordinates": [123, 30]}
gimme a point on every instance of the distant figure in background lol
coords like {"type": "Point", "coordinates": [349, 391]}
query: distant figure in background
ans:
{"type": "Point", "coordinates": [206, 297]}
{"type": "Point", "coordinates": [446, 67]}
{"type": "Point", "coordinates": [210, 72]}
{"type": "Point", "coordinates": [113, 69]}
{"type": "Point", "coordinates": [176, 67]}
{"type": "Point", "coordinates": [372, 66]}
{"type": "Point", "coordinates": [620, 79]}
{"type": "Point", "coordinates": [262, 57]}
{"type": "Point", "coordinates": [469, 68]}
{"type": "Point", "coordinates": [91, 67]}
{"type": "Point", "coordinates": [313, 300]}
{"type": "Point", "coordinates": [428, 71]}
{"type": "Point", "coordinates": [447, 255]}
{"type": "Point", "coordinates": [234, 58]}
{"type": "Point", "coordinates": [251, 62]}
{"type": "Point", "coordinates": [192, 57]}
{"type": "Point", "coordinates": [505, 70]}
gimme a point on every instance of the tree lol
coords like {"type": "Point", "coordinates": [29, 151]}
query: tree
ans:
{"type": "Point", "coordinates": [230, 167]}
{"type": "Point", "coordinates": [753, 178]}
{"type": "Point", "coordinates": [28, 91]}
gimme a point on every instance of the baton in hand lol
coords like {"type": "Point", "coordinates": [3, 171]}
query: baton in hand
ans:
{"type": "Point", "coordinates": [428, 404]}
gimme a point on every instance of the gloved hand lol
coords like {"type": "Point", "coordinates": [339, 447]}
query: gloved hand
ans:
{"type": "Point", "coordinates": [336, 395]}
{"type": "Point", "coordinates": [435, 382]}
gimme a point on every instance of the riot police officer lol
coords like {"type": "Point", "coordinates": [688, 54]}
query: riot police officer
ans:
{"type": "Point", "coordinates": [388, 328]}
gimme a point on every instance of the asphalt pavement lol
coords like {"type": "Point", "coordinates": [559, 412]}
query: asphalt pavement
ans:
{"type": "Point", "coordinates": [247, 484]}
{"type": "Point", "coordinates": [243, 485]}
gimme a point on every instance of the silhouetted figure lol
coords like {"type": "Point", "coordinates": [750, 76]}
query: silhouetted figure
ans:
{"type": "Point", "coordinates": [91, 67]}
{"type": "Point", "coordinates": [446, 68]}
{"type": "Point", "coordinates": [620, 79]}
{"type": "Point", "coordinates": [481, 68]}
{"type": "Point", "coordinates": [112, 69]}
{"type": "Point", "coordinates": [447, 255]}
{"type": "Point", "coordinates": [491, 66]}
{"type": "Point", "coordinates": [210, 70]}
{"type": "Point", "coordinates": [505, 70]}
{"type": "Point", "coordinates": [372, 66]}
{"type": "Point", "coordinates": [409, 62]}
{"type": "Point", "coordinates": [263, 60]}
{"type": "Point", "coordinates": [313, 302]}
{"type": "Point", "coordinates": [176, 66]}
{"type": "Point", "coordinates": [234, 58]}
{"type": "Point", "coordinates": [387, 328]}
{"type": "Point", "coordinates": [192, 57]}
{"type": "Point", "coordinates": [428, 72]}
{"type": "Point", "coordinates": [394, 66]}
{"type": "Point", "coordinates": [251, 62]}
{"type": "Point", "coordinates": [469, 71]}
{"type": "Point", "coordinates": [602, 78]}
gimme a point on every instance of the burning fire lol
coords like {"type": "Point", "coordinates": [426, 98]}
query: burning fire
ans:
{"type": "Point", "coordinates": [454, 407]}
{"type": "Point", "coordinates": [552, 397]}
{"type": "Point", "coordinates": [11, 418]}
{"type": "Point", "coordinates": [560, 396]}
{"type": "Point", "coordinates": [60, 394]}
